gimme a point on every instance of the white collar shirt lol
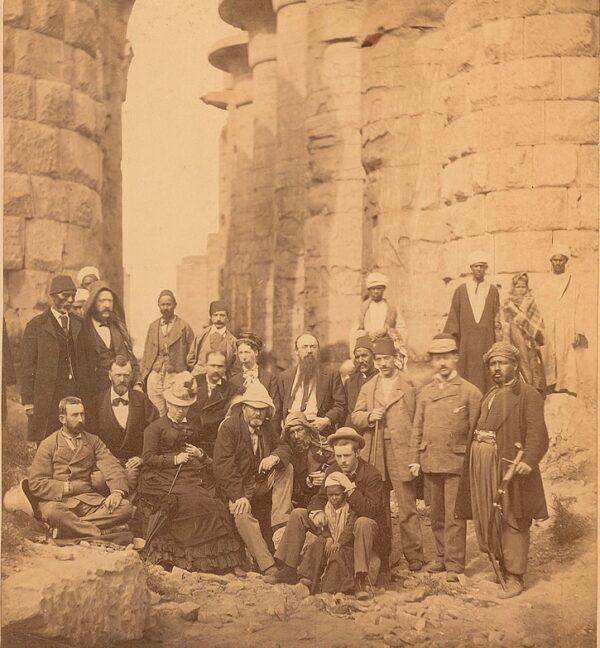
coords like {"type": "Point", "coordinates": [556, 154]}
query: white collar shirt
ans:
{"type": "Point", "coordinates": [103, 331]}
{"type": "Point", "coordinates": [121, 411]}
{"type": "Point", "coordinates": [58, 315]}
{"type": "Point", "coordinates": [477, 292]}
{"type": "Point", "coordinates": [221, 332]}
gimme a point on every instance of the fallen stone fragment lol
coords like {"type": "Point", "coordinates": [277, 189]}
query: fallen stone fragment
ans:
{"type": "Point", "coordinates": [188, 611]}
{"type": "Point", "coordinates": [452, 613]}
{"type": "Point", "coordinates": [413, 595]}
{"type": "Point", "coordinates": [177, 572]}
{"type": "Point", "coordinates": [64, 555]}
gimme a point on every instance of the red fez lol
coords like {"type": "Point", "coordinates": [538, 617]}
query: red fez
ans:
{"type": "Point", "coordinates": [364, 342]}
{"type": "Point", "coordinates": [62, 283]}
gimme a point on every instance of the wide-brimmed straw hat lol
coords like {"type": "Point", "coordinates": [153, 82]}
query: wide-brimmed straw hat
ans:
{"type": "Point", "coordinates": [182, 391]}
{"type": "Point", "coordinates": [15, 499]}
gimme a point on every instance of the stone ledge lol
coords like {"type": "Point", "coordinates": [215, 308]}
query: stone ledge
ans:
{"type": "Point", "coordinates": [230, 54]}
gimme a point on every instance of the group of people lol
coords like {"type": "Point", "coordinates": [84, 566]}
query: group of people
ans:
{"type": "Point", "coordinates": [220, 459]}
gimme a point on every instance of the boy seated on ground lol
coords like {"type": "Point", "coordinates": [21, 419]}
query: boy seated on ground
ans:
{"type": "Point", "coordinates": [328, 563]}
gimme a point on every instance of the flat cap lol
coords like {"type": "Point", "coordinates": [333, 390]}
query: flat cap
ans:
{"type": "Point", "coordinates": [442, 343]}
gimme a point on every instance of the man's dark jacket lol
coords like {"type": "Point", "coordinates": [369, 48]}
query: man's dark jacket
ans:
{"type": "Point", "coordinates": [43, 367]}
{"type": "Point", "coordinates": [355, 381]}
{"type": "Point", "coordinates": [208, 412]}
{"type": "Point", "coordinates": [331, 397]}
{"type": "Point", "coordinates": [234, 463]}
{"type": "Point", "coordinates": [128, 442]}
{"type": "Point", "coordinates": [369, 499]}
{"type": "Point", "coordinates": [522, 421]}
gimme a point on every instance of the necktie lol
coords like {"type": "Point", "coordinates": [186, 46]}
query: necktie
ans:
{"type": "Point", "coordinates": [64, 322]}
{"type": "Point", "coordinates": [305, 393]}
{"type": "Point", "coordinates": [119, 401]}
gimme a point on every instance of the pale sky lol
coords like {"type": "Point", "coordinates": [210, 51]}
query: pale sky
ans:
{"type": "Point", "coordinates": [170, 146]}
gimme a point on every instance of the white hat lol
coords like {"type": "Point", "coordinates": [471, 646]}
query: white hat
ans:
{"type": "Point", "coordinates": [560, 250]}
{"type": "Point", "coordinates": [376, 279]}
{"type": "Point", "coordinates": [85, 272]}
{"type": "Point", "coordinates": [478, 256]}
{"type": "Point", "coordinates": [182, 390]}
{"type": "Point", "coordinates": [15, 499]}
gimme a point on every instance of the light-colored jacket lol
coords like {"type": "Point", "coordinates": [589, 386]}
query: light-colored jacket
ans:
{"type": "Point", "coordinates": [196, 360]}
{"type": "Point", "coordinates": [443, 420]}
{"type": "Point", "coordinates": [395, 426]}
{"type": "Point", "coordinates": [55, 463]}
{"type": "Point", "coordinates": [179, 340]}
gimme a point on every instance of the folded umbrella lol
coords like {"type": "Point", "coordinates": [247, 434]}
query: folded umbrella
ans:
{"type": "Point", "coordinates": [157, 519]}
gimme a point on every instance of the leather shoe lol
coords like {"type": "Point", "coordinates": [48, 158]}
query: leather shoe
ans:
{"type": "Point", "coordinates": [415, 565]}
{"type": "Point", "coordinates": [514, 587]}
{"type": "Point", "coordinates": [284, 575]}
{"type": "Point", "coordinates": [362, 590]}
{"type": "Point", "coordinates": [436, 566]}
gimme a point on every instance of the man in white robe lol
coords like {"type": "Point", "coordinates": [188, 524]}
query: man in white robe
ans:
{"type": "Point", "coordinates": [560, 305]}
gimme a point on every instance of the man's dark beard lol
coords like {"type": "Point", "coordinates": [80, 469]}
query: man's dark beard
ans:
{"type": "Point", "coordinates": [308, 367]}
{"type": "Point", "coordinates": [102, 318]}
{"type": "Point", "coordinates": [78, 427]}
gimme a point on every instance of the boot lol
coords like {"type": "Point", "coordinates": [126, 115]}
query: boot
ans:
{"type": "Point", "coordinates": [514, 586]}
{"type": "Point", "coordinates": [285, 574]}
{"type": "Point", "coordinates": [362, 589]}
{"type": "Point", "coordinates": [436, 567]}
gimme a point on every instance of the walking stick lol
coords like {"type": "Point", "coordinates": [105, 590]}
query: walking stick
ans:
{"type": "Point", "coordinates": [497, 513]}
{"type": "Point", "coordinates": [373, 448]}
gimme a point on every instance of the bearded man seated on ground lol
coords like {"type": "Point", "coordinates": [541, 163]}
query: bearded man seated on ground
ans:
{"type": "Point", "coordinates": [310, 456]}
{"type": "Point", "coordinates": [61, 480]}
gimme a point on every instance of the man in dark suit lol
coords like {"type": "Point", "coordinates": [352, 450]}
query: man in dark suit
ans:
{"type": "Point", "coordinates": [106, 336]}
{"type": "Point", "coordinates": [53, 361]}
{"type": "Point", "coordinates": [364, 370]}
{"type": "Point", "coordinates": [212, 400]}
{"type": "Point", "coordinates": [249, 463]}
{"type": "Point", "coordinates": [121, 415]}
{"type": "Point", "coordinates": [60, 478]}
{"type": "Point", "coordinates": [310, 388]}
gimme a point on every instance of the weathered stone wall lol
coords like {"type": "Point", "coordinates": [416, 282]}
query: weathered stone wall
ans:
{"type": "Point", "coordinates": [65, 72]}
{"type": "Point", "coordinates": [409, 134]}
{"type": "Point", "coordinates": [192, 291]}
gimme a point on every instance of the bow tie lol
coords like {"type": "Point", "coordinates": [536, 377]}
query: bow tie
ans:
{"type": "Point", "coordinates": [119, 401]}
{"type": "Point", "coordinates": [104, 325]}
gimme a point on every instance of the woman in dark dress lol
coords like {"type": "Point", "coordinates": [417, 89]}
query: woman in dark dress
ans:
{"type": "Point", "coordinates": [176, 478]}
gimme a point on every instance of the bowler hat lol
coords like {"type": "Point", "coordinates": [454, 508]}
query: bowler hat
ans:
{"type": "Point", "coordinates": [347, 434]}
{"type": "Point", "coordinates": [62, 283]}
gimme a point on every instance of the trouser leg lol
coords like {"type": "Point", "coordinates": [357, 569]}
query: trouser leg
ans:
{"type": "Point", "coordinates": [293, 538]}
{"type": "Point", "coordinates": [310, 567]}
{"type": "Point", "coordinates": [365, 531]}
{"type": "Point", "coordinates": [515, 545]}
{"type": "Point", "coordinates": [408, 519]}
{"type": "Point", "coordinates": [100, 515]}
{"type": "Point", "coordinates": [434, 485]}
{"type": "Point", "coordinates": [249, 529]}
{"type": "Point", "coordinates": [69, 525]}
{"type": "Point", "coordinates": [455, 529]}
{"type": "Point", "coordinates": [281, 484]}
{"type": "Point", "coordinates": [155, 387]}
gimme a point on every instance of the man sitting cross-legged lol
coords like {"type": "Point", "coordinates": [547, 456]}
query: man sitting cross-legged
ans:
{"type": "Point", "coordinates": [366, 496]}
{"type": "Point", "coordinates": [60, 479]}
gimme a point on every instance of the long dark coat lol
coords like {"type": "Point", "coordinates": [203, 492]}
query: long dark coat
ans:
{"type": "Point", "coordinates": [522, 421]}
{"type": "Point", "coordinates": [473, 338]}
{"type": "Point", "coordinates": [39, 369]}
{"type": "Point", "coordinates": [352, 387]}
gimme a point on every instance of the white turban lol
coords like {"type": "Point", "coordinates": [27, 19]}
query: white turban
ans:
{"type": "Point", "coordinates": [376, 279]}
{"type": "Point", "coordinates": [561, 250]}
{"type": "Point", "coordinates": [479, 256]}
{"type": "Point", "coordinates": [84, 272]}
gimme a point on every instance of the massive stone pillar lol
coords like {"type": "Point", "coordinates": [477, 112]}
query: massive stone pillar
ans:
{"type": "Point", "coordinates": [290, 175]}
{"type": "Point", "coordinates": [333, 226]}
{"type": "Point", "coordinates": [404, 230]}
{"type": "Point", "coordinates": [257, 18]}
{"type": "Point", "coordinates": [520, 144]}
{"type": "Point", "coordinates": [65, 66]}
{"type": "Point", "coordinates": [231, 56]}
{"type": "Point", "coordinates": [192, 291]}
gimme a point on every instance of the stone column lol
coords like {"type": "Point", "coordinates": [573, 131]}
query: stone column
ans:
{"type": "Point", "coordinates": [520, 145]}
{"type": "Point", "coordinates": [231, 56]}
{"type": "Point", "coordinates": [258, 19]}
{"type": "Point", "coordinates": [290, 175]}
{"type": "Point", "coordinates": [65, 65]}
{"type": "Point", "coordinates": [333, 226]}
